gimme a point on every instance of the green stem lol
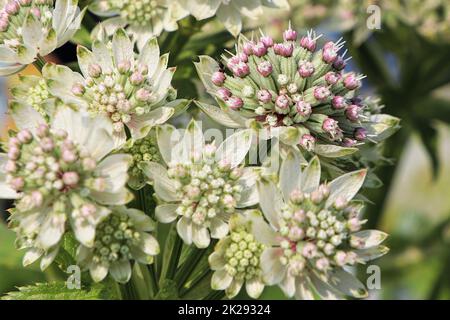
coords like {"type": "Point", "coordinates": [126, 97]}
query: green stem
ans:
{"type": "Point", "coordinates": [174, 258]}
{"type": "Point", "coordinates": [153, 279]}
{"type": "Point", "coordinates": [128, 291]}
{"type": "Point", "coordinates": [184, 291]}
{"type": "Point", "coordinates": [188, 266]}
{"type": "Point", "coordinates": [40, 62]}
{"type": "Point", "coordinates": [215, 295]}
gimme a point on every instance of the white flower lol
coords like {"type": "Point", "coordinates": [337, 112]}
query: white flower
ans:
{"type": "Point", "coordinates": [203, 185]}
{"type": "Point", "coordinates": [34, 27]}
{"type": "Point", "coordinates": [143, 19]}
{"type": "Point", "coordinates": [134, 92]}
{"type": "Point", "coordinates": [236, 258]}
{"type": "Point", "coordinates": [314, 232]}
{"type": "Point", "coordinates": [123, 236]}
{"type": "Point", "coordinates": [230, 12]}
{"type": "Point", "coordinates": [62, 178]}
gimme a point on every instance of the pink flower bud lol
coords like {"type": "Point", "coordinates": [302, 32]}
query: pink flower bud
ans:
{"type": "Point", "coordinates": [309, 250]}
{"type": "Point", "coordinates": [10, 166]}
{"type": "Point", "coordinates": [69, 156]}
{"type": "Point", "coordinates": [259, 49]}
{"type": "Point", "coordinates": [347, 142]}
{"type": "Point", "coordinates": [248, 48]}
{"type": "Point", "coordinates": [47, 144]}
{"type": "Point", "coordinates": [299, 215]}
{"type": "Point", "coordinates": [89, 164]}
{"type": "Point", "coordinates": [124, 66]}
{"type": "Point", "coordinates": [233, 61]}
{"type": "Point", "coordinates": [340, 203]}
{"type": "Point", "coordinates": [37, 198]}
{"type": "Point", "coordinates": [360, 134]}
{"type": "Point", "coordinates": [308, 43]}
{"type": "Point", "coordinates": [78, 89]}
{"type": "Point", "coordinates": [332, 77]}
{"type": "Point", "coordinates": [303, 108]}
{"type": "Point", "coordinates": [13, 153]}
{"type": "Point", "coordinates": [36, 12]}
{"type": "Point", "coordinates": [330, 125]}
{"type": "Point", "coordinates": [308, 142]}
{"type": "Point", "coordinates": [235, 103]}
{"type": "Point", "coordinates": [136, 78]}
{"type": "Point", "coordinates": [351, 82]}
{"type": "Point", "coordinates": [4, 24]}
{"type": "Point", "coordinates": [241, 69]}
{"type": "Point", "coordinates": [296, 233]}
{"type": "Point", "coordinates": [354, 224]}
{"type": "Point", "coordinates": [267, 41]}
{"type": "Point", "coordinates": [322, 263]}
{"type": "Point", "coordinates": [352, 112]}
{"type": "Point", "coordinates": [143, 95]}
{"type": "Point", "coordinates": [338, 102]}
{"type": "Point", "coordinates": [340, 258]}
{"type": "Point", "coordinates": [17, 183]}
{"type": "Point", "coordinates": [42, 130]}
{"type": "Point", "coordinates": [306, 69]}
{"type": "Point", "coordinates": [14, 142]}
{"type": "Point", "coordinates": [265, 68]}
{"type": "Point", "coordinates": [329, 52]}
{"type": "Point", "coordinates": [283, 49]}
{"type": "Point", "coordinates": [24, 136]}
{"type": "Point", "coordinates": [282, 101]}
{"type": "Point", "coordinates": [70, 178]}
{"type": "Point", "coordinates": [264, 96]}
{"type": "Point", "coordinates": [218, 78]}
{"type": "Point", "coordinates": [94, 70]}
{"type": "Point", "coordinates": [12, 7]}
{"type": "Point", "coordinates": [290, 35]}
{"type": "Point", "coordinates": [339, 64]}
{"type": "Point", "coordinates": [321, 93]}
{"type": "Point", "coordinates": [88, 210]}
{"type": "Point", "coordinates": [223, 93]}
{"type": "Point", "coordinates": [242, 57]}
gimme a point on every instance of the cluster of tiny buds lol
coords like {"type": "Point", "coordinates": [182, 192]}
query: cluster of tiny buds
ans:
{"type": "Point", "coordinates": [315, 235]}
{"type": "Point", "coordinates": [48, 164]}
{"type": "Point", "coordinates": [207, 188]}
{"type": "Point", "coordinates": [136, 12]}
{"type": "Point", "coordinates": [120, 93]}
{"type": "Point", "coordinates": [113, 240]}
{"type": "Point", "coordinates": [13, 8]}
{"type": "Point", "coordinates": [143, 150]}
{"type": "Point", "coordinates": [242, 255]}
{"type": "Point", "coordinates": [315, 97]}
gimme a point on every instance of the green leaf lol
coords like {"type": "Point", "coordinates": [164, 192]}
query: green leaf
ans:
{"type": "Point", "coordinates": [59, 291]}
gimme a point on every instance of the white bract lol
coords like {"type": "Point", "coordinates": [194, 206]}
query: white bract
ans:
{"type": "Point", "coordinates": [236, 258]}
{"type": "Point", "coordinates": [123, 236]}
{"type": "Point", "coordinates": [314, 232]}
{"type": "Point", "coordinates": [133, 92]}
{"type": "Point", "coordinates": [230, 12]}
{"type": "Point", "coordinates": [34, 27]}
{"type": "Point", "coordinates": [202, 184]}
{"type": "Point", "coordinates": [143, 19]}
{"type": "Point", "coordinates": [61, 177]}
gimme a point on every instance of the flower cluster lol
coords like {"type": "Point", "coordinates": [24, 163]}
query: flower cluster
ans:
{"type": "Point", "coordinates": [143, 19]}
{"type": "Point", "coordinates": [34, 27]}
{"type": "Point", "coordinates": [59, 177]}
{"type": "Point", "coordinates": [121, 237]}
{"type": "Point", "coordinates": [291, 85]}
{"type": "Point", "coordinates": [236, 258]}
{"type": "Point", "coordinates": [203, 185]}
{"type": "Point", "coordinates": [315, 232]}
{"type": "Point", "coordinates": [132, 92]}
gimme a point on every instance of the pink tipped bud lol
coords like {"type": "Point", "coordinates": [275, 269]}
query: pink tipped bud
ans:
{"type": "Point", "coordinates": [321, 93]}
{"type": "Point", "coordinates": [223, 93]}
{"type": "Point", "coordinates": [339, 64]}
{"type": "Point", "coordinates": [42, 130]}
{"type": "Point", "coordinates": [70, 178]}
{"type": "Point", "coordinates": [69, 156]}
{"type": "Point", "coordinates": [24, 136]}
{"type": "Point", "coordinates": [259, 49]}
{"type": "Point", "coordinates": [136, 78]}
{"type": "Point", "coordinates": [143, 95]}
{"type": "Point", "coordinates": [308, 142]}
{"type": "Point", "coordinates": [235, 103]}
{"type": "Point", "coordinates": [332, 77]}
{"type": "Point", "coordinates": [78, 89]}
{"type": "Point", "coordinates": [265, 68]}
{"type": "Point", "coordinates": [329, 52]}
{"type": "Point", "coordinates": [282, 101]}
{"type": "Point", "coordinates": [241, 69]}
{"type": "Point", "coordinates": [4, 24]}
{"type": "Point", "coordinates": [354, 224]}
{"type": "Point", "coordinates": [36, 12]}
{"type": "Point", "coordinates": [10, 166]}
{"type": "Point", "coordinates": [242, 57]}
{"type": "Point", "coordinates": [338, 102]}
{"type": "Point", "coordinates": [360, 134]}
{"type": "Point", "coordinates": [303, 108]}
{"type": "Point", "coordinates": [124, 66]}
{"type": "Point", "coordinates": [248, 48]}
{"type": "Point", "coordinates": [351, 82]}
{"type": "Point", "coordinates": [89, 164]}
{"type": "Point", "coordinates": [14, 142]}
{"type": "Point", "coordinates": [13, 153]}
{"type": "Point", "coordinates": [283, 49]}
{"type": "Point", "coordinates": [309, 250]}
{"type": "Point", "coordinates": [88, 210]}
{"type": "Point", "coordinates": [322, 263]}
{"type": "Point", "coordinates": [305, 69]}
{"type": "Point", "coordinates": [299, 215]}
{"type": "Point", "coordinates": [290, 35]}
{"type": "Point", "coordinates": [94, 70]}
{"type": "Point", "coordinates": [296, 234]}
{"type": "Point", "coordinates": [347, 142]}
{"type": "Point", "coordinates": [218, 78]}
{"type": "Point", "coordinates": [352, 112]}
{"type": "Point", "coordinates": [17, 183]}
{"type": "Point", "coordinates": [329, 125]}
{"type": "Point", "coordinates": [267, 41]}
{"type": "Point", "coordinates": [264, 96]}
{"type": "Point", "coordinates": [12, 7]}
{"type": "Point", "coordinates": [37, 198]}
{"type": "Point", "coordinates": [308, 43]}
{"type": "Point", "coordinates": [340, 258]}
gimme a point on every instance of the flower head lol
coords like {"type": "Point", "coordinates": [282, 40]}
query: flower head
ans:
{"type": "Point", "coordinates": [291, 88]}
{"type": "Point", "coordinates": [143, 19]}
{"type": "Point", "coordinates": [203, 184]}
{"type": "Point", "coordinates": [61, 177]}
{"type": "Point", "coordinates": [34, 27]}
{"type": "Point", "coordinates": [121, 237]}
{"type": "Point", "coordinates": [132, 92]}
{"type": "Point", "coordinates": [236, 258]}
{"type": "Point", "coordinates": [315, 231]}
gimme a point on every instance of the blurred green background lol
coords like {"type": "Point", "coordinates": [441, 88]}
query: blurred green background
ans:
{"type": "Point", "coordinates": [407, 64]}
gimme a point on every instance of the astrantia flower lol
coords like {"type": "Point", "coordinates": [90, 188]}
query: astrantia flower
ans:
{"type": "Point", "coordinates": [34, 27]}
{"type": "Point", "coordinates": [236, 258]}
{"type": "Point", "coordinates": [123, 236]}
{"type": "Point", "coordinates": [203, 184]}
{"type": "Point", "coordinates": [143, 150]}
{"type": "Point", "coordinates": [133, 92]}
{"type": "Point", "coordinates": [291, 88]}
{"type": "Point", "coordinates": [230, 12]}
{"type": "Point", "coordinates": [315, 232]}
{"type": "Point", "coordinates": [143, 19]}
{"type": "Point", "coordinates": [62, 177]}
